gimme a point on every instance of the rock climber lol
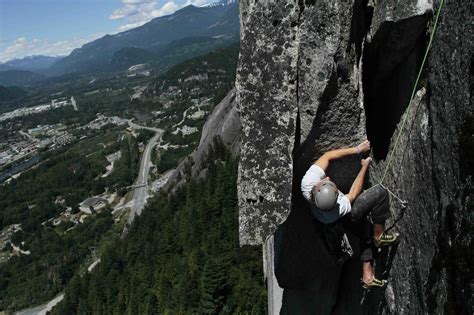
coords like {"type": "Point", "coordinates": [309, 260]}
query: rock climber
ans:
{"type": "Point", "coordinates": [328, 204]}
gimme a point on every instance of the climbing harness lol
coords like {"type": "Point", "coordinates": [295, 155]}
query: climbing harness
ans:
{"type": "Point", "coordinates": [404, 203]}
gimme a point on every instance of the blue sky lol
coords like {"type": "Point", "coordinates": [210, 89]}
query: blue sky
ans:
{"type": "Point", "coordinates": [56, 27]}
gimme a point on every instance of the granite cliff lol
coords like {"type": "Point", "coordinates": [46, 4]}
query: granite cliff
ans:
{"type": "Point", "coordinates": [318, 75]}
{"type": "Point", "coordinates": [222, 125]}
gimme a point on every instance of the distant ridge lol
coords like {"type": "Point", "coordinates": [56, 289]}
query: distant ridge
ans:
{"type": "Point", "coordinates": [30, 63]}
{"type": "Point", "coordinates": [220, 20]}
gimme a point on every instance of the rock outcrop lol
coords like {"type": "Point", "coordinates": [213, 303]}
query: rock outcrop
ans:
{"type": "Point", "coordinates": [222, 124]}
{"type": "Point", "coordinates": [317, 75]}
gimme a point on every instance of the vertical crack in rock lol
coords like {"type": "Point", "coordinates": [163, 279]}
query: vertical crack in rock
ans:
{"type": "Point", "coordinates": [297, 141]}
{"type": "Point", "coordinates": [390, 64]}
{"type": "Point", "coordinates": [360, 25]}
{"type": "Point", "coordinates": [297, 134]}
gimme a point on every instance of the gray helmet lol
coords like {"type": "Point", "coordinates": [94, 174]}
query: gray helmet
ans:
{"type": "Point", "coordinates": [325, 195]}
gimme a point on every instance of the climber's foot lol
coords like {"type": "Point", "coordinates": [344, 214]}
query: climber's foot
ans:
{"type": "Point", "coordinates": [374, 283]}
{"type": "Point", "coordinates": [386, 239]}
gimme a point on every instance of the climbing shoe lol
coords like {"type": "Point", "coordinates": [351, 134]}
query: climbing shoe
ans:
{"type": "Point", "coordinates": [375, 283]}
{"type": "Point", "coordinates": [386, 240]}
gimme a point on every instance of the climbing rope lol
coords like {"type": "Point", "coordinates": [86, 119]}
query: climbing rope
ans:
{"type": "Point", "coordinates": [403, 202]}
{"type": "Point", "coordinates": [405, 118]}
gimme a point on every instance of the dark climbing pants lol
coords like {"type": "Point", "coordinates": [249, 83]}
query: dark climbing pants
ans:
{"type": "Point", "coordinates": [374, 202]}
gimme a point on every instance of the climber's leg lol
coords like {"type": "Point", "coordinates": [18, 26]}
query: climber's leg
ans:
{"type": "Point", "coordinates": [375, 201]}
{"type": "Point", "coordinates": [367, 271]}
{"type": "Point", "coordinates": [369, 280]}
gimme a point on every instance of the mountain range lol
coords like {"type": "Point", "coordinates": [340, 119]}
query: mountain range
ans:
{"type": "Point", "coordinates": [152, 39]}
{"type": "Point", "coordinates": [165, 41]}
{"type": "Point", "coordinates": [30, 63]}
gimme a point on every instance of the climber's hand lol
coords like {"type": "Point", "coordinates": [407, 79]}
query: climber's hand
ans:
{"type": "Point", "coordinates": [366, 162]}
{"type": "Point", "coordinates": [363, 147]}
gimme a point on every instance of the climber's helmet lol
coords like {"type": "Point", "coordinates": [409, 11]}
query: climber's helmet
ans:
{"type": "Point", "coordinates": [324, 195]}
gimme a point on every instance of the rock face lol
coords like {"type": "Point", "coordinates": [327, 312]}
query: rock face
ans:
{"type": "Point", "coordinates": [222, 125]}
{"type": "Point", "coordinates": [317, 75]}
{"type": "Point", "coordinates": [266, 82]}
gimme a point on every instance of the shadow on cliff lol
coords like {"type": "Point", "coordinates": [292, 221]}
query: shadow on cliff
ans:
{"type": "Point", "coordinates": [313, 280]}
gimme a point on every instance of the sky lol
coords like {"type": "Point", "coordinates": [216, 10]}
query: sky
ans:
{"type": "Point", "coordinates": [56, 27]}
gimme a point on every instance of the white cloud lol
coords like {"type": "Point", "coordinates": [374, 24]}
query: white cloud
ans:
{"type": "Point", "coordinates": [136, 1]}
{"type": "Point", "coordinates": [23, 47]}
{"type": "Point", "coordinates": [167, 8]}
{"type": "Point", "coordinates": [138, 12]}
{"type": "Point", "coordinates": [198, 3]}
{"type": "Point", "coordinates": [123, 12]}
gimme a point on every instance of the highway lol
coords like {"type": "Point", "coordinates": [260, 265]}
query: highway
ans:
{"type": "Point", "coordinates": [140, 194]}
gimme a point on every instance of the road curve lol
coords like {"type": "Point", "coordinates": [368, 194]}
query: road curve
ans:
{"type": "Point", "coordinates": [140, 194]}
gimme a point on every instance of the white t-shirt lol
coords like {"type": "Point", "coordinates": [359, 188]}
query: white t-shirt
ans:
{"type": "Point", "coordinates": [343, 206]}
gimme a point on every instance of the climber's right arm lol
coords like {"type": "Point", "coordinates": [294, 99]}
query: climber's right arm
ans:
{"type": "Point", "coordinates": [358, 183]}
{"type": "Point", "coordinates": [323, 161]}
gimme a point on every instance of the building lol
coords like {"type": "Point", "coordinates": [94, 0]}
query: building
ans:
{"type": "Point", "coordinates": [92, 204]}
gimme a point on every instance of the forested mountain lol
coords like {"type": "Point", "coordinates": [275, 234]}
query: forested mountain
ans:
{"type": "Point", "coordinates": [125, 57]}
{"type": "Point", "coordinates": [11, 93]}
{"type": "Point", "coordinates": [182, 256]}
{"type": "Point", "coordinates": [19, 77]}
{"type": "Point", "coordinates": [167, 55]}
{"type": "Point", "coordinates": [217, 21]}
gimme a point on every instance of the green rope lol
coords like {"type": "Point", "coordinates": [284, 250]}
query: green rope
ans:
{"type": "Point", "coordinates": [413, 92]}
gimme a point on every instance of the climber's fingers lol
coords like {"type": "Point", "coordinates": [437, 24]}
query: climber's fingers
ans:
{"type": "Point", "coordinates": [366, 162]}
{"type": "Point", "coordinates": [364, 146]}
